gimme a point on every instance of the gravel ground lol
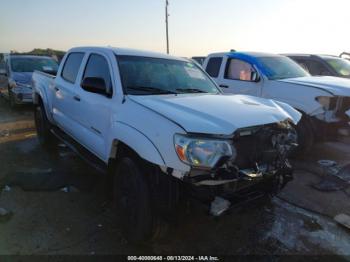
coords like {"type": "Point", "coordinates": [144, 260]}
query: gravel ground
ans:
{"type": "Point", "coordinates": [58, 206]}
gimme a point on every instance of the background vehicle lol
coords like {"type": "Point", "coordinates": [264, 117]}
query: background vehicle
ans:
{"type": "Point", "coordinates": [199, 59]}
{"type": "Point", "coordinates": [323, 101]}
{"type": "Point", "coordinates": [3, 78]}
{"type": "Point", "coordinates": [165, 126]}
{"type": "Point", "coordinates": [345, 55]}
{"type": "Point", "coordinates": [323, 65]}
{"type": "Point", "coordinates": [19, 71]}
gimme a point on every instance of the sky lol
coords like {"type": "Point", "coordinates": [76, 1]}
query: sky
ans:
{"type": "Point", "coordinates": [196, 27]}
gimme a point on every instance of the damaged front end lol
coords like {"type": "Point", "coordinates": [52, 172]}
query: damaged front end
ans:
{"type": "Point", "coordinates": [257, 161]}
{"type": "Point", "coordinates": [333, 114]}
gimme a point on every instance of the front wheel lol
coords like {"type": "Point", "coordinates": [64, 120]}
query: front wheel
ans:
{"type": "Point", "coordinates": [306, 137]}
{"type": "Point", "coordinates": [11, 98]}
{"type": "Point", "coordinates": [131, 197]}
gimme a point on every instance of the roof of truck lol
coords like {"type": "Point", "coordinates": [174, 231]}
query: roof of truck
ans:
{"type": "Point", "coordinates": [310, 55]}
{"type": "Point", "coordinates": [29, 56]}
{"type": "Point", "coordinates": [126, 51]}
{"type": "Point", "coordinates": [252, 54]}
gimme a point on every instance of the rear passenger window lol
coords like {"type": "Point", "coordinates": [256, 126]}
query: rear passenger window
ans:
{"type": "Point", "coordinates": [97, 66]}
{"type": "Point", "coordinates": [213, 66]}
{"type": "Point", "coordinates": [71, 66]}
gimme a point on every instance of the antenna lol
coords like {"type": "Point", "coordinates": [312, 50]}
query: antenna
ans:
{"type": "Point", "coordinates": [166, 24]}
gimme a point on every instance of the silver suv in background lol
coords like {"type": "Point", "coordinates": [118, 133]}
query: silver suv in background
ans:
{"type": "Point", "coordinates": [18, 71]}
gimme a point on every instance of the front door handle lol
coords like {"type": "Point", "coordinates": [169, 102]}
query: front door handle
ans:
{"type": "Point", "coordinates": [223, 86]}
{"type": "Point", "coordinates": [76, 98]}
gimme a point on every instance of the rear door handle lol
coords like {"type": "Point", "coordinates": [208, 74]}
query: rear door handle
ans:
{"type": "Point", "coordinates": [223, 86]}
{"type": "Point", "coordinates": [76, 98]}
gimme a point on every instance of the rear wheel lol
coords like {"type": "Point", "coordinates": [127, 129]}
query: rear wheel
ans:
{"type": "Point", "coordinates": [43, 126]}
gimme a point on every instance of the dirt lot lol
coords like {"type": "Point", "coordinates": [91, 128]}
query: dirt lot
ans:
{"type": "Point", "coordinates": [59, 206]}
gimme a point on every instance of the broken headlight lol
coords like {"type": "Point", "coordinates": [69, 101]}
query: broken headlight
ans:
{"type": "Point", "coordinates": [202, 152]}
{"type": "Point", "coordinates": [324, 101]}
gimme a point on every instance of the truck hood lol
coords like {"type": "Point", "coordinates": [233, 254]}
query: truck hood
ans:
{"type": "Point", "coordinates": [334, 85]}
{"type": "Point", "coordinates": [23, 78]}
{"type": "Point", "coordinates": [217, 114]}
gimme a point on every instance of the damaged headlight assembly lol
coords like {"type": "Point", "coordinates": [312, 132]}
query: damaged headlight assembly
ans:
{"type": "Point", "coordinates": [203, 153]}
{"type": "Point", "coordinates": [324, 101]}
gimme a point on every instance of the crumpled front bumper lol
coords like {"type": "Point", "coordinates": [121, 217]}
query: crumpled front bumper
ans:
{"type": "Point", "coordinates": [241, 190]}
{"type": "Point", "coordinates": [22, 95]}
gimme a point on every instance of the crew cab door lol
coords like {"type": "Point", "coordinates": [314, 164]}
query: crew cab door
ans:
{"type": "Point", "coordinates": [95, 108]}
{"type": "Point", "coordinates": [239, 77]}
{"type": "Point", "coordinates": [66, 96]}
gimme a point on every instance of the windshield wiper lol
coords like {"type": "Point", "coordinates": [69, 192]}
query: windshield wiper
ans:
{"type": "Point", "coordinates": [151, 89]}
{"type": "Point", "coordinates": [190, 90]}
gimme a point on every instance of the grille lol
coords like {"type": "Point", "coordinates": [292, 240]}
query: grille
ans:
{"type": "Point", "coordinates": [344, 106]}
{"type": "Point", "coordinates": [255, 148]}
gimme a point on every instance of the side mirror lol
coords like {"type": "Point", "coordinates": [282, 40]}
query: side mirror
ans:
{"type": "Point", "coordinates": [3, 72]}
{"type": "Point", "coordinates": [95, 85]}
{"type": "Point", "coordinates": [254, 77]}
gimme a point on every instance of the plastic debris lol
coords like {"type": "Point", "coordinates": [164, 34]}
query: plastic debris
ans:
{"type": "Point", "coordinates": [6, 189]}
{"type": "Point", "coordinates": [4, 133]}
{"type": "Point", "coordinates": [5, 215]}
{"type": "Point", "coordinates": [65, 189]}
{"type": "Point", "coordinates": [69, 189]}
{"type": "Point", "coordinates": [344, 174]}
{"type": "Point", "coordinates": [219, 206]}
{"type": "Point", "coordinates": [343, 219]}
{"type": "Point", "coordinates": [330, 167]}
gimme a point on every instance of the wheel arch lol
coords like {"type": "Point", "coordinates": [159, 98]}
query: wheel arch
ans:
{"type": "Point", "coordinates": [132, 142]}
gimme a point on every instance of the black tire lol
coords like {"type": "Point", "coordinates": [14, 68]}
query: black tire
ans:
{"type": "Point", "coordinates": [43, 127]}
{"type": "Point", "coordinates": [306, 137]}
{"type": "Point", "coordinates": [11, 98]}
{"type": "Point", "coordinates": [132, 200]}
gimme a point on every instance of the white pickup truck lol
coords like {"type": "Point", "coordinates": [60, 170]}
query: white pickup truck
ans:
{"type": "Point", "coordinates": [159, 124]}
{"type": "Point", "coordinates": [324, 101]}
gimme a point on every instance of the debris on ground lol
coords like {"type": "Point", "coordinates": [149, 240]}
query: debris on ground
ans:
{"type": "Point", "coordinates": [343, 219]}
{"type": "Point", "coordinates": [335, 177]}
{"type": "Point", "coordinates": [5, 215]}
{"type": "Point", "coordinates": [70, 189]}
{"type": "Point", "coordinates": [219, 206]}
{"type": "Point", "coordinates": [4, 133]}
{"type": "Point", "coordinates": [344, 174]}
{"type": "Point", "coordinates": [330, 167]}
{"type": "Point", "coordinates": [6, 188]}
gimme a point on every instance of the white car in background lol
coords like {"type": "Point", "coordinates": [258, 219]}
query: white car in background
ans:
{"type": "Point", "coordinates": [324, 101]}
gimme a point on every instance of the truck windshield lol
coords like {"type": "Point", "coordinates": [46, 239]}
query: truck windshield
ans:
{"type": "Point", "coordinates": [341, 66]}
{"type": "Point", "coordinates": [147, 76]}
{"type": "Point", "coordinates": [281, 68]}
{"type": "Point", "coordinates": [28, 64]}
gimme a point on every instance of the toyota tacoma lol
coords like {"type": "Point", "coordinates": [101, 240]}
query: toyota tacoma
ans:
{"type": "Point", "coordinates": [160, 126]}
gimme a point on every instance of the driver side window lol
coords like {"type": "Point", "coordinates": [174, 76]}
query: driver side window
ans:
{"type": "Point", "coordinates": [240, 70]}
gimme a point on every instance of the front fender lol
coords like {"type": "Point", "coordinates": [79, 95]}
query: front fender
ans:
{"type": "Point", "coordinates": [136, 140]}
{"type": "Point", "coordinates": [294, 114]}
